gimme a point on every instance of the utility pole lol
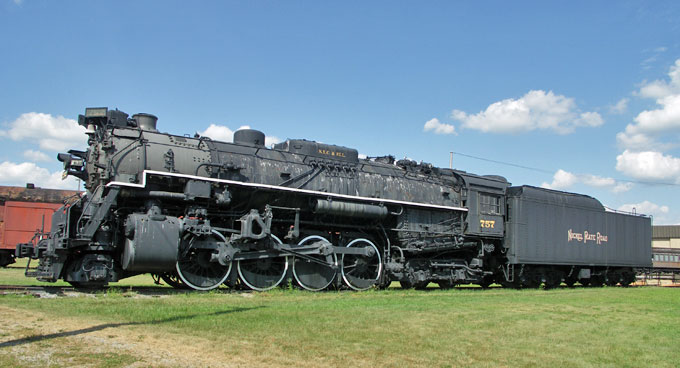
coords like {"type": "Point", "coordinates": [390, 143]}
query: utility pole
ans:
{"type": "Point", "coordinates": [451, 161]}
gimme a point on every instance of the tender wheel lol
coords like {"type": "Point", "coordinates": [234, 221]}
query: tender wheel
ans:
{"type": "Point", "coordinates": [596, 281]}
{"type": "Point", "coordinates": [310, 275]}
{"type": "Point", "coordinates": [406, 284]}
{"type": "Point", "coordinates": [612, 279]}
{"type": "Point", "coordinates": [445, 285]}
{"type": "Point", "coordinates": [627, 278]}
{"type": "Point", "coordinates": [196, 270]}
{"type": "Point", "coordinates": [361, 272]}
{"type": "Point", "coordinates": [553, 279]}
{"type": "Point", "coordinates": [421, 285]}
{"type": "Point", "coordinates": [263, 274]}
{"type": "Point", "coordinates": [531, 280]}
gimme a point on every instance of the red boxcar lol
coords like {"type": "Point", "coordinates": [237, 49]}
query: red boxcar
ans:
{"type": "Point", "coordinates": [23, 212]}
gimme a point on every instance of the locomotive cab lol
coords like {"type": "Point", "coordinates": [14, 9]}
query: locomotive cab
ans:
{"type": "Point", "coordinates": [486, 205]}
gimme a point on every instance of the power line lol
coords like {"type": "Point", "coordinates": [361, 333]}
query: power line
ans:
{"type": "Point", "coordinates": [553, 171]}
{"type": "Point", "coordinates": [504, 163]}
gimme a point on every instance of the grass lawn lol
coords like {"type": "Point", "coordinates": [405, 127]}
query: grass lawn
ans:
{"type": "Point", "coordinates": [14, 275]}
{"type": "Point", "coordinates": [611, 327]}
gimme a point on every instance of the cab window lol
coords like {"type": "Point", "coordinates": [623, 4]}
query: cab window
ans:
{"type": "Point", "coordinates": [489, 204]}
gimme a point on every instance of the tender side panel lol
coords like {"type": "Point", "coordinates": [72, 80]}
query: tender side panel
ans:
{"type": "Point", "coordinates": [548, 227]}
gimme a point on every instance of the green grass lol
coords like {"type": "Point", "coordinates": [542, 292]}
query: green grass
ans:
{"type": "Point", "coordinates": [14, 275]}
{"type": "Point", "coordinates": [610, 327]}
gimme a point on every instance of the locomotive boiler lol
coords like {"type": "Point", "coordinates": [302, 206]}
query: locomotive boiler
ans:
{"type": "Point", "coordinates": [200, 213]}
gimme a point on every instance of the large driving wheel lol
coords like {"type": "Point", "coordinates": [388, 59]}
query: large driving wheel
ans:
{"type": "Point", "coordinates": [311, 275]}
{"type": "Point", "coordinates": [195, 268]}
{"type": "Point", "coordinates": [263, 274]}
{"type": "Point", "coordinates": [361, 272]}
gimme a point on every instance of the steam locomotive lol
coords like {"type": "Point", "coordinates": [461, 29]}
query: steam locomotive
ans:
{"type": "Point", "coordinates": [201, 213]}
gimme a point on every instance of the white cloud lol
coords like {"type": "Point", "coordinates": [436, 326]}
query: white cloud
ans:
{"type": "Point", "coordinates": [660, 120]}
{"type": "Point", "coordinates": [651, 127]}
{"type": "Point", "coordinates": [589, 119]}
{"type": "Point", "coordinates": [622, 187]}
{"type": "Point", "coordinates": [218, 133]}
{"type": "Point", "coordinates": [51, 133]}
{"type": "Point", "coordinates": [224, 134]}
{"type": "Point", "coordinates": [36, 156]}
{"type": "Point", "coordinates": [597, 181]}
{"type": "Point", "coordinates": [27, 172]}
{"type": "Point", "coordinates": [661, 88]}
{"type": "Point", "coordinates": [271, 140]}
{"type": "Point", "coordinates": [638, 141]}
{"type": "Point", "coordinates": [439, 128]}
{"type": "Point", "coordinates": [648, 165]}
{"type": "Point", "coordinates": [620, 107]}
{"type": "Point", "coordinates": [536, 110]}
{"type": "Point", "coordinates": [563, 180]}
{"type": "Point", "coordinates": [645, 207]}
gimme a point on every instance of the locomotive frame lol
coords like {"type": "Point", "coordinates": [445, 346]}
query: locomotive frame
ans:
{"type": "Point", "coordinates": [200, 213]}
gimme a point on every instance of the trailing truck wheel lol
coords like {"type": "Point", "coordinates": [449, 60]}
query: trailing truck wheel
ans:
{"type": "Point", "coordinates": [487, 281]}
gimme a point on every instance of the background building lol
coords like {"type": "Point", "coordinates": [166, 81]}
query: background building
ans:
{"type": "Point", "coordinates": [665, 254]}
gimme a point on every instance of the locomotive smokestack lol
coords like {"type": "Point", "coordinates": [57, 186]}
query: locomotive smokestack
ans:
{"type": "Point", "coordinates": [146, 121]}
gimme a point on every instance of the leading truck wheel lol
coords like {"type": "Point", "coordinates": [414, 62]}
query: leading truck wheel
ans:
{"type": "Point", "coordinates": [172, 279]}
{"type": "Point", "coordinates": [197, 271]}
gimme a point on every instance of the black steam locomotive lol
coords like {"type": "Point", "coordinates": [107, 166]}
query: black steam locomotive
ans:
{"type": "Point", "coordinates": [200, 213]}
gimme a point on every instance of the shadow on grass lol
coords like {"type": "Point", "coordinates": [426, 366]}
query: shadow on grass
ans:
{"type": "Point", "coordinates": [35, 338]}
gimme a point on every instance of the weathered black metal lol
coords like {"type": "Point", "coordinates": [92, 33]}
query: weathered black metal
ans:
{"type": "Point", "coordinates": [186, 208]}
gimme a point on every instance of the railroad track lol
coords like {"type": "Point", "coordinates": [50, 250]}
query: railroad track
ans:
{"type": "Point", "coordinates": [66, 290]}
{"type": "Point", "coordinates": [30, 288]}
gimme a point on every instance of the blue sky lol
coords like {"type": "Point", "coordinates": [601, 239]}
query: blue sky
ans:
{"type": "Point", "coordinates": [586, 93]}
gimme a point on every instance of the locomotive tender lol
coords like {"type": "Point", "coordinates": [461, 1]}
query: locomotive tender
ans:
{"type": "Point", "coordinates": [200, 213]}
